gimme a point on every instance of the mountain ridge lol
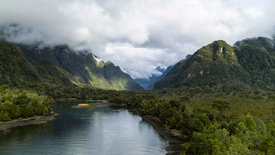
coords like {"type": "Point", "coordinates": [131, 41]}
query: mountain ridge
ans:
{"type": "Point", "coordinates": [60, 66]}
{"type": "Point", "coordinates": [218, 66]}
{"type": "Point", "coordinates": [85, 68]}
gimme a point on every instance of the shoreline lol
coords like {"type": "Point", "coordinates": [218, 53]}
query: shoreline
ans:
{"type": "Point", "coordinates": [27, 121]}
{"type": "Point", "coordinates": [175, 142]}
{"type": "Point", "coordinates": [174, 138]}
{"type": "Point", "coordinates": [174, 146]}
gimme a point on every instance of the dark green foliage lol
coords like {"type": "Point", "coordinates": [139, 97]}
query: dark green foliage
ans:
{"type": "Point", "coordinates": [258, 62]}
{"type": "Point", "coordinates": [229, 130]}
{"type": "Point", "coordinates": [14, 68]}
{"type": "Point", "coordinates": [16, 104]}
{"type": "Point", "coordinates": [263, 42]}
{"type": "Point", "coordinates": [51, 74]}
{"type": "Point", "coordinates": [221, 105]}
{"type": "Point", "coordinates": [18, 72]}
{"type": "Point", "coordinates": [215, 66]}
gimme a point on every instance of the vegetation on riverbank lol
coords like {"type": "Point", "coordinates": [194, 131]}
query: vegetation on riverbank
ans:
{"type": "Point", "coordinates": [212, 123]}
{"type": "Point", "coordinates": [15, 104]}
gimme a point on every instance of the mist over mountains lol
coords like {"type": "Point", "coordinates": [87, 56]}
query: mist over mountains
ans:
{"type": "Point", "coordinates": [30, 65]}
{"type": "Point", "coordinates": [154, 33]}
{"type": "Point", "coordinates": [248, 65]}
{"type": "Point", "coordinates": [150, 82]}
{"type": "Point", "coordinates": [200, 71]}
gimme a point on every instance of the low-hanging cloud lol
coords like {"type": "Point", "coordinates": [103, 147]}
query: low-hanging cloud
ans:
{"type": "Point", "coordinates": [136, 35]}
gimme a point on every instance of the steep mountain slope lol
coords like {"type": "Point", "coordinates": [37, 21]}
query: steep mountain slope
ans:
{"type": "Point", "coordinates": [215, 66]}
{"type": "Point", "coordinates": [218, 66]}
{"type": "Point", "coordinates": [16, 70]}
{"type": "Point", "coordinates": [257, 58]}
{"type": "Point", "coordinates": [150, 82]}
{"type": "Point", "coordinates": [52, 75]}
{"type": "Point", "coordinates": [84, 68]}
{"type": "Point", "coordinates": [261, 42]}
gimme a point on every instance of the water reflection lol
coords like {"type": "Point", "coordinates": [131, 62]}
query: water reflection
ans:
{"type": "Point", "coordinates": [83, 131]}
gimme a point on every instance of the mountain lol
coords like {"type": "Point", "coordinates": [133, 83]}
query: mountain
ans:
{"type": "Point", "coordinates": [149, 83]}
{"type": "Point", "coordinates": [260, 42]}
{"type": "Point", "coordinates": [257, 57]}
{"type": "Point", "coordinates": [82, 67]}
{"type": "Point", "coordinates": [16, 70]}
{"type": "Point", "coordinates": [218, 66]}
{"type": "Point", "coordinates": [51, 74]}
{"type": "Point", "coordinates": [14, 67]}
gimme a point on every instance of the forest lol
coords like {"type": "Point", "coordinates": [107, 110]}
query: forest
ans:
{"type": "Point", "coordinates": [212, 123]}
{"type": "Point", "coordinates": [16, 104]}
{"type": "Point", "coordinates": [215, 109]}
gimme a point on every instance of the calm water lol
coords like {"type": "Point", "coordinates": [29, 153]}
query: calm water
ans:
{"type": "Point", "coordinates": [98, 131]}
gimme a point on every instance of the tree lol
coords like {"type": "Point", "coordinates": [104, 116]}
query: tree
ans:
{"type": "Point", "coordinates": [221, 105]}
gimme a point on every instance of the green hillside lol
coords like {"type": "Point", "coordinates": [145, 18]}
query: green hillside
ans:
{"type": "Point", "coordinates": [220, 67]}
{"type": "Point", "coordinates": [52, 75]}
{"type": "Point", "coordinates": [84, 68]}
{"type": "Point", "coordinates": [33, 67]}
{"type": "Point", "coordinates": [15, 69]}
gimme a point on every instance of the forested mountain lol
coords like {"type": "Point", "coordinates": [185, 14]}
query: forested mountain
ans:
{"type": "Point", "coordinates": [60, 66]}
{"type": "Point", "coordinates": [15, 69]}
{"type": "Point", "coordinates": [218, 66]}
{"type": "Point", "coordinates": [257, 57]}
{"type": "Point", "coordinates": [84, 68]}
{"type": "Point", "coordinates": [250, 64]}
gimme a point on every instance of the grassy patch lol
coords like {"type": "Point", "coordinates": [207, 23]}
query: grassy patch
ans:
{"type": "Point", "coordinates": [83, 105]}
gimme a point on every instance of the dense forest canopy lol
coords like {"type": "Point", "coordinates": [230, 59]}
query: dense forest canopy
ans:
{"type": "Point", "coordinates": [15, 104]}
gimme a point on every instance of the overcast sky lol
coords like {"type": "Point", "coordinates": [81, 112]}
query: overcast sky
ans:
{"type": "Point", "coordinates": [137, 35]}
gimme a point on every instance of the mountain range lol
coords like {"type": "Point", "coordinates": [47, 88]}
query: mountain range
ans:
{"type": "Point", "coordinates": [59, 66]}
{"type": "Point", "coordinates": [249, 64]}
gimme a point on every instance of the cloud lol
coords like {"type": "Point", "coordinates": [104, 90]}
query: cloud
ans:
{"type": "Point", "coordinates": [141, 61]}
{"type": "Point", "coordinates": [136, 35]}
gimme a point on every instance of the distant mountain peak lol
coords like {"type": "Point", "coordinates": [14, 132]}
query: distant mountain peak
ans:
{"type": "Point", "coordinates": [218, 51]}
{"type": "Point", "coordinates": [98, 60]}
{"type": "Point", "coordinates": [160, 69]}
{"type": "Point", "coordinates": [148, 83]}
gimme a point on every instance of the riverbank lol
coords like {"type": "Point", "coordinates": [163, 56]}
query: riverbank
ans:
{"type": "Point", "coordinates": [27, 121]}
{"type": "Point", "coordinates": [174, 137]}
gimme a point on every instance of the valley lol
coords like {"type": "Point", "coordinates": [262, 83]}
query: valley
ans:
{"type": "Point", "coordinates": [221, 100]}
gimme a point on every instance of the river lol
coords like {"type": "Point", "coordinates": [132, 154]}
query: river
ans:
{"type": "Point", "coordinates": [93, 131]}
